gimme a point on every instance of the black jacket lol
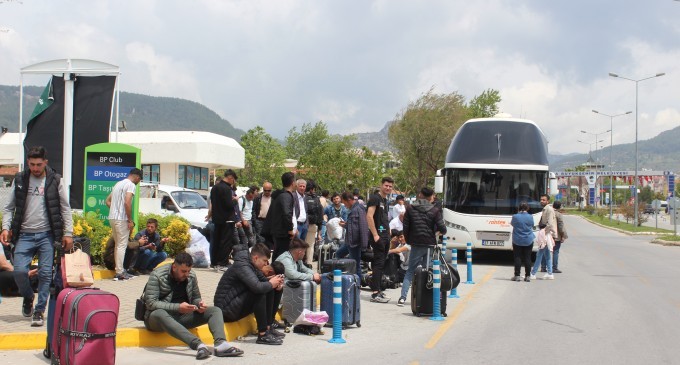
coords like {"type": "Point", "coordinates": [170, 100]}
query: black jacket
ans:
{"type": "Point", "coordinates": [257, 204]}
{"type": "Point", "coordinates": [280, 215]}
{"type": "Point", "coordinates": [52, 203]}
{"type": "Point", "coordinates": [237, 283]}
{"type": "Point", "coordinates": [222, 203]}
{"type": "Point", "coordinates": [421, 220]}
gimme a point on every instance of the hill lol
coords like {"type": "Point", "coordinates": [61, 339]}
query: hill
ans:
{"type": "Point", "coordinates": [140, 112]}
{"type": "Point", "coordinates": [375, 141]}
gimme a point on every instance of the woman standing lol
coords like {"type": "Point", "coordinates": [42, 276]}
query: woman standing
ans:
{"type": "Point", "coordinates": [522, 241]}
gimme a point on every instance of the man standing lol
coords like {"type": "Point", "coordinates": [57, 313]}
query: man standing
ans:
{"type": "Point", "coordinates": [420, 220]}
{"type": "Point", "coordinates": [36, 216]}
{"type": "Point", "coordinates": [245, 204]}
{"type": "Point", "coordinates": [223, 217]}
{"type": "Point", "coordinates": [120, 218]}
{"type": "Point", "coordinates": [261, 205]}
{"type": "Point", "coordinates": [561, 236]}
{"type": "Point", "coordinates": [314, 220]}
{"type": "Point", "coordinates": [280, 224]}
{"type": "Point", "coordinates": [378, 224]}
{"type": "Point", "coordinates": [548, 220]}
{"type": "Point", "coordinates": [356, 237]}
{"type": "Point", "coordinates": [174, 305]}
{"type": "Point", "coordinates": [301, 214]}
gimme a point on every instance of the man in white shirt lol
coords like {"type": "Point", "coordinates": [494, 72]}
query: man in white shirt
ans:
{"type": "Point", "coordinates": [301, 215]}
{"type": "Point", "coordinates": [245, 204]}
{"type": "Point", "coordinates": [120, 217]}
{"type": "Point", "coordinates": [397, 223]}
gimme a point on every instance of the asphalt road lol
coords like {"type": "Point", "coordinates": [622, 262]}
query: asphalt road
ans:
{"type": "Point", "coordinates": [617, 302]}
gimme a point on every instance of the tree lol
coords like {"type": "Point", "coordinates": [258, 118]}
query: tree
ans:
{"type": "Point", "coordinates": [646, 195]}
{"type": "Point", "coordinates": [331, 160]}
{"type": "Point", "coordinates": [264, 158]}
{"type": "Point", "coordinates": [422, 133]}
{"type": "Point", "coordinates": [484, 105]}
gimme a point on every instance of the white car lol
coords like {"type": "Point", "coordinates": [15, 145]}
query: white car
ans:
{"type": "Point", "coordinates": [167, 199]}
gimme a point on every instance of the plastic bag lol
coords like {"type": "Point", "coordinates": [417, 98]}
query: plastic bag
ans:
{"type": "Point", "coordinates": [334, 229]}
{"type": "Point", "coordinates": [199, 249]}
{"type": "Point", "coordinates": [310, 318]}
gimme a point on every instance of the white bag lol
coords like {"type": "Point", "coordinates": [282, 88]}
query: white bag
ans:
{"type": "Point", "coordinates": [334, 229]}
{"type": "Point", "coordinates": [199, 249]}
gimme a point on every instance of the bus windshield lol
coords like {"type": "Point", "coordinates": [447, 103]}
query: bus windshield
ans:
{"type": "Point", "coordinates": [493, 191]}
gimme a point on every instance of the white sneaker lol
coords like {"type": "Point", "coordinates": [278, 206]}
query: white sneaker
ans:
{"type": "Point", "coordinates": [532, 277]}
{"type": "Point", "coordinates": [549, 277]}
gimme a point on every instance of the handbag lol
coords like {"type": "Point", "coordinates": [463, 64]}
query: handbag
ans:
{"type": "Point", "coordinates": [140, 307]}
{"type": "Point", "coordinates": [450, 278]}
{"type": "Point", "coordinates": [76, 269]}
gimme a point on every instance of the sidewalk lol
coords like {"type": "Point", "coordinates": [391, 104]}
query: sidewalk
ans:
{"type": "Point", "coordinates": [17, 332]}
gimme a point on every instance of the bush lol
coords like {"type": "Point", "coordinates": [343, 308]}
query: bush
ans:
{"type": "Point", "coordinates": [178, 236]}
{"type": "Point", "coordinates": [90, 226]}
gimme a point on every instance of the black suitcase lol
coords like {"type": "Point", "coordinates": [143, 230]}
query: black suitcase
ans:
{"type": "Point", "coordinates": [347, 266]}
{"type": "Point", "coordinates": [421, 292]}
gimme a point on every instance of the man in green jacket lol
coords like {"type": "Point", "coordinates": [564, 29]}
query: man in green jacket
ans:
{"type": "Point", "coordinates": [174, 305]}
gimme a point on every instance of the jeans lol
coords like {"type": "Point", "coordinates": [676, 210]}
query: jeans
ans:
{"type": "Point", "coordinates": [522, 255]}
{"type": "Point", "coordinates": [353, 252]}
{"type": "Point", "coordinates": [556, 255]}
{"type": "Point", "coordinates": [149, 259]}
{"type": "Point", "coordinates": [302, 230]}
{"type": "Point", "coordinates": [380, 249]}
{"type": "Point", "coordinates": [28, 245]}
{"type": "Point", "coordinates": [417, 257]}
{"type": "Point", "coordinates": [177, 324]}
{"type": "Point", "coordinates": [545, 251]}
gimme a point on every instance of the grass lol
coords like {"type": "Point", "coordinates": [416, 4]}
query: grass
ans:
{"type": "Point", "coordinates": [604, 220]}
{"type": "Point", "coordinates": [669, 237]}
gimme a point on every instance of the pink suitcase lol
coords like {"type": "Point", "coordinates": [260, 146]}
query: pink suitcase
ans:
{"type": "Point", "coordinates": [85, 327]}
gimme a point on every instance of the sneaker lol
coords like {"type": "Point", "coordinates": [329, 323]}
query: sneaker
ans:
{"type": "Point", "coordinates": [377, 298]}
{"type": "Point", "coordinates": [268, 339]}
{"type": "Point", "coordinates": [276, 325]}
{"type": "Point", "coordinates": [276, 333]}
{"type": "Point", "coordinates": [527, 279]}
{"type": "Point", "coordinates": [27, 307]}
{"type": "Point", "coordinates": [401, 301]}
{"type": "Point", "coordinates": [557, 271]}
{"type": "Point", "coordinates": [121, 277]}
{"type": "Point", "coordinates": [532, 277]}
{"type": "Point", "coordinates": [202, 353]}
{"type": "Point", "coordinates": [382, 294]}
{"type": "Point", "coordinates": [549, 277]}
{"type": "Point", "coordinates": [133, 272]}
{"type": "Point", "coordinates": [516, 278]}
{"type": "Point", "coordinates": [222, 268]}
{"type": "Point", "coordinates": [38, 320]}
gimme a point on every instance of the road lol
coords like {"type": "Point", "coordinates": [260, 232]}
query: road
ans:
{"type": "Point", "coordinates": [614, 304]}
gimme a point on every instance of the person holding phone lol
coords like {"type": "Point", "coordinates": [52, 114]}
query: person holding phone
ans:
{"type": "Point", "coordinates": [174, 305]}
{"type": "Point", "coordinates": [246, 289]}
{"type": "Point", "coordinates": [150, 252]}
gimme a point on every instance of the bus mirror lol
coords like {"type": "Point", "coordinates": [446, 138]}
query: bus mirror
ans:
{"type": "Point", "coordinates": [438, 184]}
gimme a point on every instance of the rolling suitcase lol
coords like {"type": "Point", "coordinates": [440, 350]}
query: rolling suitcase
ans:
{"type": "Point", "coordinates": [347, 266]}
{"type": "Point", "coordinates": [85, 322]}
{"type": "Point", "coordinates": [351, 303]}
{"type": "Point", "coordinates": [421, 292]}
{"type": "Point", "coordinates": [327, 252]}
{"type": "Point", "coordinates": [298, 295]}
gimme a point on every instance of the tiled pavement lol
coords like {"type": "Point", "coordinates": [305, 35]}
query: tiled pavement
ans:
{"type": "Point", "coordinates": [11, 320]}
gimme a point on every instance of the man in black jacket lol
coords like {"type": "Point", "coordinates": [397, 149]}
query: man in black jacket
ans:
{"type": "Point", "coordinates": [244, 289]}
{"type": "Point", "coordinates": [420, 221]}
{"type": "Point", "coordinates": [224, 218]}
{"type": "Point", "coordinates": [279, 226]}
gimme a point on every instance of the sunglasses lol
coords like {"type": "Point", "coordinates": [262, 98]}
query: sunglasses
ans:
{"type": "Point", "coordinates": [267, 191]}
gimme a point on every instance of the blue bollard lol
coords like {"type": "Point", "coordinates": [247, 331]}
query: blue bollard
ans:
{"type": "Point", "coordinates": [454, 263]}
{"type": "Point", "coordinates": [468, 256]}
{"type": "Point", "coordinates": [337, 308]}
{"type": "Point", "coordinates": [436, 292]}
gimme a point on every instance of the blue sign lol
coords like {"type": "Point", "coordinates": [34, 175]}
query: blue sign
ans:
{"type": "Point", "coordinates": [591, 196]}
{"type": "Point", "coordinates": [107, 173]}
{"type": "Point", "coordinates": [671, 185]}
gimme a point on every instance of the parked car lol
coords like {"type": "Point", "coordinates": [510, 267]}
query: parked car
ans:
{"type": "Point", "coordinates": [167, 199]}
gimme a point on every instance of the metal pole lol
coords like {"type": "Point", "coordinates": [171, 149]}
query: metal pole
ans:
{"type": "Point", "coordinates": [611, 172]}
{"type": "Point", "coordinates": [635, 192]}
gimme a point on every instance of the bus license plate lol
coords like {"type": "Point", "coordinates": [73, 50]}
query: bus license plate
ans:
{"type": "Point", "coordinates": [493, 243]}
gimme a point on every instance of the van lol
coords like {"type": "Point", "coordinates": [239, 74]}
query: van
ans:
{"type": "Point", "coordinates": [168, 199]}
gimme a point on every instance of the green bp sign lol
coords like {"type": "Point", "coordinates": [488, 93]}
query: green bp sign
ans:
{"type": "Point", "coordinates": [105, 165]}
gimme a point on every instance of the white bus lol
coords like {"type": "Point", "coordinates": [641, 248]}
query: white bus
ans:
{"type": "Point", "coordinates": [493, 164]}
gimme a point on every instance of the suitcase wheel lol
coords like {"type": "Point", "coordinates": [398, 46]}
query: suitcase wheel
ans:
{"type": "Point", "coordinates": [358, 324]}
{"type": "Point", "coordinates": [418, 314]}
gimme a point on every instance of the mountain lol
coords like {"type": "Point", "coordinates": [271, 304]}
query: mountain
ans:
{"type": "Point", "coordinates": [140, 112]}
{"type": "Point", "coordinates": [375, 141]}
{"type": "Point", "coordinates": [659, 154]}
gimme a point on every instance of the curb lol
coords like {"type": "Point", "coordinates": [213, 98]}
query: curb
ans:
{"type": "Point", "coordinates": [618, 229]}
{"type": "Point", "coordinates": [666, 243]}
{"type": "Point", "coordinates": [133, 337]}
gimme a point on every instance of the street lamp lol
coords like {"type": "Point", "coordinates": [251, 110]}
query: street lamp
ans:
{"type": "Point", "coordinates": [596, 142]}
{"type": "Point", "coordinates": [635, 192]}
{"type": "Point", "coordinates": [611, 149]}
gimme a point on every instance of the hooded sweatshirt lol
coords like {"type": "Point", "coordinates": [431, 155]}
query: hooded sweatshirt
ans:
{"type": "Point", "coordinates": [421, 220]}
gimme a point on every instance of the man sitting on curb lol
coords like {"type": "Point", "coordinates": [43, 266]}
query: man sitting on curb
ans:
{"type": "Point", "coordinates": [150, 252]}
{"type": "Point", "coordinates": [244, 289]}
{"type": "Point", "coordinates": [174, 305]}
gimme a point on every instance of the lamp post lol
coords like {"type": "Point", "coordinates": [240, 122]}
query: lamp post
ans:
{"type": "Point", "coordinates": [635, 182]}
{"type": "Point", "coordinates": [611, 149]}
{"type": "Point", "coordinates": [596, 142]}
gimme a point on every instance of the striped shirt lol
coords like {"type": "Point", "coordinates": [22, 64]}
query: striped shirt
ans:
{"type": "Point", "coordinates": [117, 210]}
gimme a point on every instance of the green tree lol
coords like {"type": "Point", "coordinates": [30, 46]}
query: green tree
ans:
{"type": "Point", "coordinates": [264, 158]}
{"type": "Point", "coordinates": [484, 105]}
{"type": "Point", "coordinates": [422, 133]}
{"type": "Point", "coordinates": [646, 195]}
{"type": "Point", "coordinates": [331, 160]}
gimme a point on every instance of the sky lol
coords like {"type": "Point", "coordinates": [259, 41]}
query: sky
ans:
{"type": "Point", "coordinates": [356, 64]}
